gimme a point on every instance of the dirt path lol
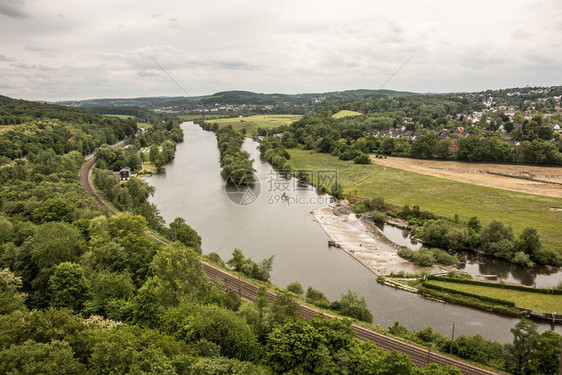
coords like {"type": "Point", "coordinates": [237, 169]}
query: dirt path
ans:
{"type": "Point", "coordinates": [547, 181]}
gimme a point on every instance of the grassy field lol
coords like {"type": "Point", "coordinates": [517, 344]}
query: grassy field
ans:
{"type": "Point", "coordinates": [122, 116]}
{"type": "Point", "coordinates": [346, 113]}
{"type": "Point", "coordinates": [529, 300]}
{"type": "Point", "coordinates": [252, 123]}
{"type": "Point", "coordinates": [442, 196]}
{"type": "Point", "coordinates": [148, 166]}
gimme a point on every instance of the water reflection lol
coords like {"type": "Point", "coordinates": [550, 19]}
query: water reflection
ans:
{"type": "Point", "coordinates": [399, 236]}
{"type": "Point", "coordinates": [479, 264]}
{"type": "Point", "coordinates": [485, 267]}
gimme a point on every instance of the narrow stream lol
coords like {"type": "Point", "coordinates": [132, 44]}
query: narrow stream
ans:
{"type": "Point", "coordinates": [193, 188]}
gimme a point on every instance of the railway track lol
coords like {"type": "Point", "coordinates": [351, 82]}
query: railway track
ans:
{"type": "Point", "coordinates": [249, 291]}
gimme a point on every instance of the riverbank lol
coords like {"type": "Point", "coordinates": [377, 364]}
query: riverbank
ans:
{"type": "Point", "coordinates": [364, 241]}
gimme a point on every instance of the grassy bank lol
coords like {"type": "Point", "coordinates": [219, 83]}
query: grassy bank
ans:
{"type": "Point", "coordinates": [528, 300]}
{"type": "Point", "coordinates": [441, 196]}
{"type": "Point", "coordinates": [252, 123]}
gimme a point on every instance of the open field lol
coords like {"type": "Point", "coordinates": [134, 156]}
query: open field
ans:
{"type": "Point", "coordinates": [441, 196]}
{"type": "Point", "coordinates": [122, 116]}
{"type": "Point", "coordinates": [148, 166]}
{"type": "Point", "coordinates": [477, 173]}
{"type": "Point", "coordinates": [529, 300]}
{"type": "Point", "coordinates": [346, 113]}
{"type": "Point", "coordinates": [252, 123]}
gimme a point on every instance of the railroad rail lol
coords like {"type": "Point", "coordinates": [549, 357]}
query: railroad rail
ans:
{"type": "Point", "coordinates": [249, 291]}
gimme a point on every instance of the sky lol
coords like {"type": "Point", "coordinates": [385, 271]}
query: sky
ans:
{"type": "Point", "coordinates": [80, 49]}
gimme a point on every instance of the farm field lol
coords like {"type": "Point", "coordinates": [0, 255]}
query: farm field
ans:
{"type": "Point", "coordinates": [346, 113]}
{"type": "Point", "coordinates": [441, 196]}
{"type": "Point", "coordinates": [252, 123]}
{"type": "Point", "coordinates": [529, 300]}
{"type": "Point", "coordinates": [550, 183]}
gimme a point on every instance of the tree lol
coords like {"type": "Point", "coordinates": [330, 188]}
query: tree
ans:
{"type": "Point", "coordinates": [283, 307]}
{"type": "Point", "coordinates": [6, 230]}
{"type": "Point", "coordinates": [474, 224]}
{"type": "Point", "coordinates": [109, 292]}
{"type": "Point", "coordinates": [529, 241]}
{"type": "Point", "coordinates": [69, 287]}
{"type": "Point", "coordinates": [547, 357]}
{"type": "Point", "coordinates": [223, 327]}
{"type": "Point", "coordinates": [185, 234]}
{"type": "Point", "coordinates": [54, 209]}
{"type": "Point", "coordinates": [127, 223]}
{"type": "Point", "coordinates": [106, 154]}
{"type": "Point", "coordinates": [224, 366]}
{"type": "Point", "coordinates": [31, 357]}
{"type": "Point", "coordinates": [356, 307]}
{"type": "Point", "coordinates": [295, 347]}
{"type": "Point", "coordinates": [237, 260]}
{"type": "Point", "coordinates": [295, 287]}
{"type": "Point", "coordinates": [316, 297]}
{"type": "Point", "coordinates": [139, 191]}
{"type": "Point", "coordinates": [10, 297]}
{"type": "Point", "coordinates": [494, 232]}
{"type": "Point", "coordinates": [54, 243]}
{"type": "Point", "coordinates": [523, 350]}
{"type": "Point", "coordinates": [47, 162]}
{"type": "Point", "coordinates": [180, 275]}
{"type": "Point", "coordinates": [99, 229]}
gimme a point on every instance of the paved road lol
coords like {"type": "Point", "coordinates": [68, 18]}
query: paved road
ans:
{"type": "Point", "coordinates": [249, 291]}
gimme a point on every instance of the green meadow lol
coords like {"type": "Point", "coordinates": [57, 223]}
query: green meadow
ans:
{"type": "Point", "coordinates": [252, 123]}
{"type": "Point", "coordinates": [346, 113]}
{"type": "Point", "coordinates": [441, 196]}
{"type": "Point", "coordinates": [529, 300]}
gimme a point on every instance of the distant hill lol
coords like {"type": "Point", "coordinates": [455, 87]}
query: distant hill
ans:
{"type": "Point", "coordinates": [235, 98]}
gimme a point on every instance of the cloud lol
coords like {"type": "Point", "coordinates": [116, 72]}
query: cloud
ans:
{"type": "Point", "coordinates": [13, 8]}
{"type": "Point", "coordinates": [287, 46]}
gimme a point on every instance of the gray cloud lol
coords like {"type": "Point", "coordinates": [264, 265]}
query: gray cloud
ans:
{"type": "Point", "coordinates": [287, 46]}
{"type": "Point", "coordinates": [13, 8]}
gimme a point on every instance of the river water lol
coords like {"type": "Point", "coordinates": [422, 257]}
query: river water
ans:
{"type": "Point", "coordinates": [282, 226]}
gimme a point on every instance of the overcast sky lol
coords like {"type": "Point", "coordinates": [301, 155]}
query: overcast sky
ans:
{"type": "Point", "coordinates": [78, 49]}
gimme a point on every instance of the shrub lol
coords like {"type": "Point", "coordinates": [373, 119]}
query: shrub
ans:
{"type": "Point", "coordinates": [362, 159]}
{"type": "Point", "coordinates": [295, 287]}
{"type": "Point", "coordinates": [444, 258]}
{"type": "Point", "coordinates": [378, 216]}
{"type": "Point", "coordinates": [423, 257]}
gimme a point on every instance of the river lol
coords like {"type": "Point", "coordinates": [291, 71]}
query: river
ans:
{"type": "Point", "coordinates": [193, 188]}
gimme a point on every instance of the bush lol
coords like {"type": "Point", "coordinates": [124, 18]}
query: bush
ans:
{"type": "Point", "coordinates": [295, 287]}
{"type": "Point", "coordinates": [362, 159]}
{"type": "Point", "coordinates": [378, 216]}
{"type": "Point", "coordinates": [406, 253]}
{"type": "Point", "coordinates": [423, 257]}
{"type": "Point", "coordinates": [444, 258]}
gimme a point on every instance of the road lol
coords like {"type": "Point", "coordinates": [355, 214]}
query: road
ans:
{"type": "Point", "coordinates": [249, 291]}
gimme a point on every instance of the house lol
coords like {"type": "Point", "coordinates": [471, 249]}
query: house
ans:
{"type": "Point", "coordinates": [125, 173]}
{"type": "Point", "coordinates": [454, 146]}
